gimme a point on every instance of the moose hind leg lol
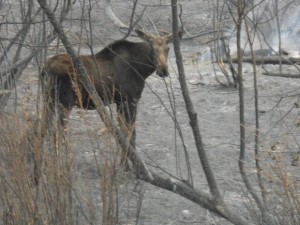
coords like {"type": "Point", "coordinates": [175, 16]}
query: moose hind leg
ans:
{"type": "Point", "coordinates": [66, 99]}
{"type": "Point", "coordinates": [65, 102]}
{"type": "Point", "coordinates": [63, 114]}
{"type": "Point", "coordinates": [41, 128]}
{"type": "Point", "coordinates": [126, 118]}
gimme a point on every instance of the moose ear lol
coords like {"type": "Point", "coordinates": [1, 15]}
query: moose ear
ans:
{"type": "Point", "coordinates": [169, 37]}
{"type": "Point", "coordinates": [142, 34]}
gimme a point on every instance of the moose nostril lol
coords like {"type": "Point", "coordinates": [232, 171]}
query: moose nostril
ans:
{"type": "Point", "coordinates": [163, 71]}
{"type": "Point", "coordinates": [166, 73]}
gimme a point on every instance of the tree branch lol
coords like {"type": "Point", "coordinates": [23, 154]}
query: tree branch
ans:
{"type": "Point", "coordinates": [112, 15]}
{"type": "Point", "coordinates": [190, 109]}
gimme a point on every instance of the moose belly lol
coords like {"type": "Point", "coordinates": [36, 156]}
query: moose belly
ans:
{"type": "Point", "coordinates": [87, 103]}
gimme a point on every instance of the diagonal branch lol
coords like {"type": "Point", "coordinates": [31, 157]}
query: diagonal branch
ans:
{"type": "Point", "coordinates": [190, 110]}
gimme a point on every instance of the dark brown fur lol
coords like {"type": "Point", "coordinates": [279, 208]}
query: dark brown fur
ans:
{"type": "Point", "coordinates": [118, 72]}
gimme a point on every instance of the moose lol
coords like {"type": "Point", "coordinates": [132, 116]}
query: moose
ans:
{"type": "Point", "coordinates": [118, 73]}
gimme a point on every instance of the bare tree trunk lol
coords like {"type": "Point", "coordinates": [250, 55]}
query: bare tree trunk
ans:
{"type": "Point", "coordinates": [265, 217]}
{"type": "Point", "coordinates": [190, 109]}
{"type": "Point", "coordinates": [257, 126]}
{"type": "Point", "coordinates": [217, 199]}
{"type": "Point", "coordinates": [112, 16]}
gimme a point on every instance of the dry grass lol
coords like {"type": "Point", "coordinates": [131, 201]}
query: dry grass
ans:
{"type": "Point", "coordinates": [284, 195]}
{"type": "Point", "coordinates": [281, 186]}
{"type": "Point", "coordinates": [59, 198]}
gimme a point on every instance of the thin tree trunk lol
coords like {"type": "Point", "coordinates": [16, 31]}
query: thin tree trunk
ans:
{"type": "Point", "coordinates": [266, 218]}
{"type": "Point", "coordinates": [190, 109]}
{"type": "Point", "coordinates": [257, 126]}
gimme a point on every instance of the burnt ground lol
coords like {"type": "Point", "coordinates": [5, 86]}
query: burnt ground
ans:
{"type": "Point", "coordinates": [160, 146]}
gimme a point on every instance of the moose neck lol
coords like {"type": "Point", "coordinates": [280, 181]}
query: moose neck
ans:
{"type": "Point", "coordinates": [144, 59]}
{"type": "Point", "coordinates": [139, 56]}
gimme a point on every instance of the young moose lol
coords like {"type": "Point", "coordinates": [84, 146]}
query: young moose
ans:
{"type": "Point", "coordinates": [118, 72]}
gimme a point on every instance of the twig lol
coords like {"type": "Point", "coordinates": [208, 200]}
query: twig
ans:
{"type": "Point", "coordinates": [133, 24]}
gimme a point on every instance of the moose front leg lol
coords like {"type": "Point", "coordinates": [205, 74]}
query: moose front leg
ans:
{"type": "Point", "coordinates": [126, 117]}
{"type": "Point", "coordinates": [40, 130]}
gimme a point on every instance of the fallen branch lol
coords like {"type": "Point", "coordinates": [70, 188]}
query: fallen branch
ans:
{"type": "Point", "coordinates": [266, 60]}
{"type": "Point", "coordinates": [287, 75]}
